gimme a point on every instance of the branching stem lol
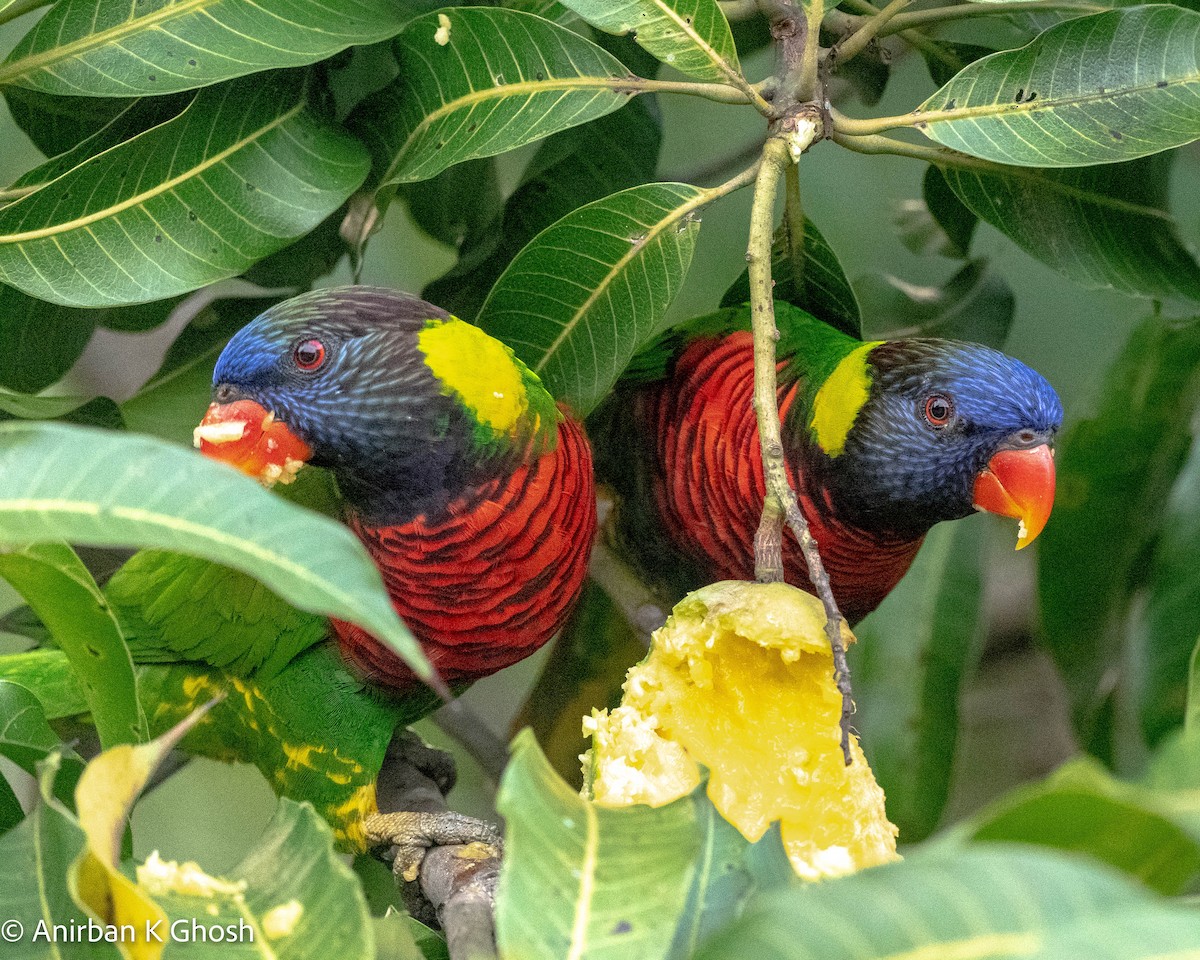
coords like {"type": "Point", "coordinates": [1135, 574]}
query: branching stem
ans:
{"type": "Point", "coordinates": [857, 42]}
{"type": "Point", "coordinates": [780, 503]}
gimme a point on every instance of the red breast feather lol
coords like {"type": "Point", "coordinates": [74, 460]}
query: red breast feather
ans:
{"type": "Point", "coordinates": [489, 579]}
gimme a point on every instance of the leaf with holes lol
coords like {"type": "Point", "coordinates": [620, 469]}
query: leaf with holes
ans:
{"type": "Point", "coordinates": [242, 172]}
{"type": "Point", "coordinates": [692, 36]}
{"type": "Point", "coordinates": [1113, 86]}
{"type": "Point", "coordinates": [1103, 227]}
{"type": "Point", "coordinates": [475, 82]}
{"type": "Point", "coordinates": [124, 50]}
{"type": "Point", "coordinates": [107, 489]}
{"type": "Point", "coordinates": [588, 292]}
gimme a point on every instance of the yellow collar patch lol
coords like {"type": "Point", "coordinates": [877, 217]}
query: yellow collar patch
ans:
{"type": "Point", "coordinates": [841, 396]}
{"type": "Point", "coordinates": [479, 369]}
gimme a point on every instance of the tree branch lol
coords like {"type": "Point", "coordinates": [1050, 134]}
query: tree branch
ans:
{"type": "Point", "coordinates": [780, 504]}
{"type": "Point", "coordinates": [851, 46]}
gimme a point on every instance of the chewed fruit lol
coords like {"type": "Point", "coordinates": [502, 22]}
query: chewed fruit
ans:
{"type": "Point", "coordinates": [248, 437]}
{"type": "Point", "coordinates": [740, 680]}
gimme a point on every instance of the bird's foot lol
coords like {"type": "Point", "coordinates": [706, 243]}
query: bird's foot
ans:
{"type": "Point", "coordinates": [414, 833]}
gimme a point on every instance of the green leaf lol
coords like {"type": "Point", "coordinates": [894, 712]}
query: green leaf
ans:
{"type": "Point", "coordinates": [570, 169]}
{"type": "Point", "coordinates": [825, 292]}
{"type": "Point", "coordinates": [944, 58]}
{"type": "Point", "coordinates": [41, 341]}
{"type": "Point", "coordinates": [500, 79]}
{"type": "Point", "coordinates": [586, 294]}
{"type": "Point", "coordinates": [620, 877]}
{"type": "Point", "coordinates": [976, 903]}
{"type": "Point", "coordinates": [90, 486]}
{"type": "Point", "coordinates": [36, 857]}
{"type": "Point", "coordinates": [161, 46]}
{"type": "Point", "coordinates": [915, 654]}
{"type": "Point", "coordinates": [57, 124]}
{"type": "Point", "coordinates": [1103, 227]}
{"type": "Point", "coordinates": [56, 584]}
{"type": "Point", "coordinates": [247, 168]}
{"type": "Point", "coordinates": [47, 675]}
{"type": "Point", "coordinates": [27, 740]}
{"type": "Point", "coordinates": [436, 205]}
{"type": "Point", "coordinates": [293, 870]}
{"type": "Point", "coordinates": [975, 304]}
{"type": "Point", "coordinates": [1163, 630]}
{"type": "Point", "coordinates": [692, 36]}
{"type": "Point", "coordinates": [948, 212]}
{"type": "Point", "coordinates": [1114, 472]}
{"type": "Point", "coordinates": [1113, 86]}
{"type": "Point", "coordinates": [11, 812]}
{"type": "Point", "coordinates": [1082, 808]}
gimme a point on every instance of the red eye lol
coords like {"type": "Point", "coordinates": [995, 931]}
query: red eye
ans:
{"type": "Point", "coordinates": [938, 410]}
{"type": "Point", "coordinates": [309, 354]}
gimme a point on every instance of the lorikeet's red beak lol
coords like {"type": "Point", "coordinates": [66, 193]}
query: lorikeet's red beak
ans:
{"type": "Point", "coordinates": [247, 436]}
{"type": "Point", "coordinates": [1019, 484]}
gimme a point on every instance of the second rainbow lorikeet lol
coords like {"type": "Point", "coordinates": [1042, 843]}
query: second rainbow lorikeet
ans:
{"type": "Point", "coordinates": [881, 439]}
{"type": "Point", "coordinates": [470, 489]}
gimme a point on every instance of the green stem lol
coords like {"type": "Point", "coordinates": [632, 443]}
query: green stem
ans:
{"type": "Point", "coordinates": [914, 38]}
{"type": "Point", "coordinates": [961, 11]}
{"type": "Point", "coordinates": [810, 66]}
{"type": "Point", "coordinates": [18, 8]}
{"type": "Point", "coordinates": [719, 92]}
{"type": "Point", "coordinates": [780, 503]}
{"type": "Point", "coordinates": [16, 193]}
{"type": "Point", "coordinates": [854, 44]}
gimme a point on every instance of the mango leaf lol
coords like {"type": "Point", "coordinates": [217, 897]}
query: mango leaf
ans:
{"type": "Point", "coordinates": [948, 212]}
{"type": "Point", "coordinates": [589, 292]}
{"type": "Point", "coordinates": [916, 653]}
{"type": "Point", "coordinates": [41, 341]}
{"type": "Point", "coordinates": [126, 50]}
{"type": "Point", "coordinates": [692, 36]}
{"type": "Point", "coordinates": [571, 168]}
{"type": "Point", "coordinates": [36, 857]}
{"type": "Point", "coordinates": [1163, 630]}
{"type": "Point", "coordinates": [435, 205]}
{"type": "Point", "coordinates": [945, 58]}
{"type": "Point", "coordinates": [977, 902]}
{"type": "Point", "coordinates": [138, 222]}
{"type": "Point", "coordinates": [581, 880]}
{"type": "Point", "coordinates": [295, 894]}
{"type": "Point", "coordinates": [11, 812]}
{"type": "Point", "coordinates": [1114, 474]}
{"type": "Point", "coordinates": [27, 740]}
{"type": "Point", "coordinates": [1113, 86]}
{"type": "Point", "coordinates": [1082, 808]}
{"type": "Point", "coordinates": [483, 82]}
{"type": "Point", "coordinates": [58, 124]}
{"type": "Point", "coordinates": [47, 675]}
{"type": "Point", "coordinates": [56, 584]}
{"type": "Point", "coordinates": [1103, 227]}
{"type": "Point", "coordinates": [94, 487]}
{"type": "Point", "coordinates": [975, 304]}
{"type": "Point", "coordinates": [824, 291]}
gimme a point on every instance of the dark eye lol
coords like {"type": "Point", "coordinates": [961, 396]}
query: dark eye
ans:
{"type": "Point", "coordinates": [938, 410]}
{"type": "Point", "coordinates": [309, 354]}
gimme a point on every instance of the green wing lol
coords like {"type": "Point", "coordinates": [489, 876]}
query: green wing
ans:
{"type": "Point", "coordinates": [174, 607]}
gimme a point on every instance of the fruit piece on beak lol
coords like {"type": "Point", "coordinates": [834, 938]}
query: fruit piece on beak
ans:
{"type": "Point", "coordinates": [248, 437]}
{"type": "Point", "coordinates": [1019, 484]}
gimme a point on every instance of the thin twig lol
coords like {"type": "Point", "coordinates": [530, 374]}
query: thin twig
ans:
{"type": "Point", "coordinates": [634, 599]}
{"type": "Point", "coordinates": [850, 47]}
{"type": "Point", "coordinates": [780, 503]}
{"type": "Point", "coordinates": [460, 721]}
{"type": "Point", "coordinates": [914, 38]}
{"type": "Point", "coordinates": [18, 8]}
{"type": "Point", "coordinates": [960, 11]}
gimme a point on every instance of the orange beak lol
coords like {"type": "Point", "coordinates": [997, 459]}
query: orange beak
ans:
{"type": "Point", "coordinates": [245, 435]}
{"type": "Point", "coordinates": [1019, 484]}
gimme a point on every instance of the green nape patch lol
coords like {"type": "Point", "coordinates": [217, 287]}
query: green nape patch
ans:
{"type": "Point", "coordinates": [504, 396]}
{"type": "Point", "coordinates": [836, 404]}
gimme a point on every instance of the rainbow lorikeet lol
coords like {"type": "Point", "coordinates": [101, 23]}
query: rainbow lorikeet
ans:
{"type": "Point", "coordinates": [470, 489]}
{"type": "Point", "coordinates": [882, 440]}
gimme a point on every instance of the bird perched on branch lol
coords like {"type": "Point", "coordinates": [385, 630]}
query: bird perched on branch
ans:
{"type": "Point", "coordinates": [881, 440]}
{"type": "Point", "coordinates": [470, 489]}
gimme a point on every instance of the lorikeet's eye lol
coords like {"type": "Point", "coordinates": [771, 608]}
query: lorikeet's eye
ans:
{"type": "Point", "coordinates": [309, 354]}
{"type": "Point", "coordinates": [938, 410]}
